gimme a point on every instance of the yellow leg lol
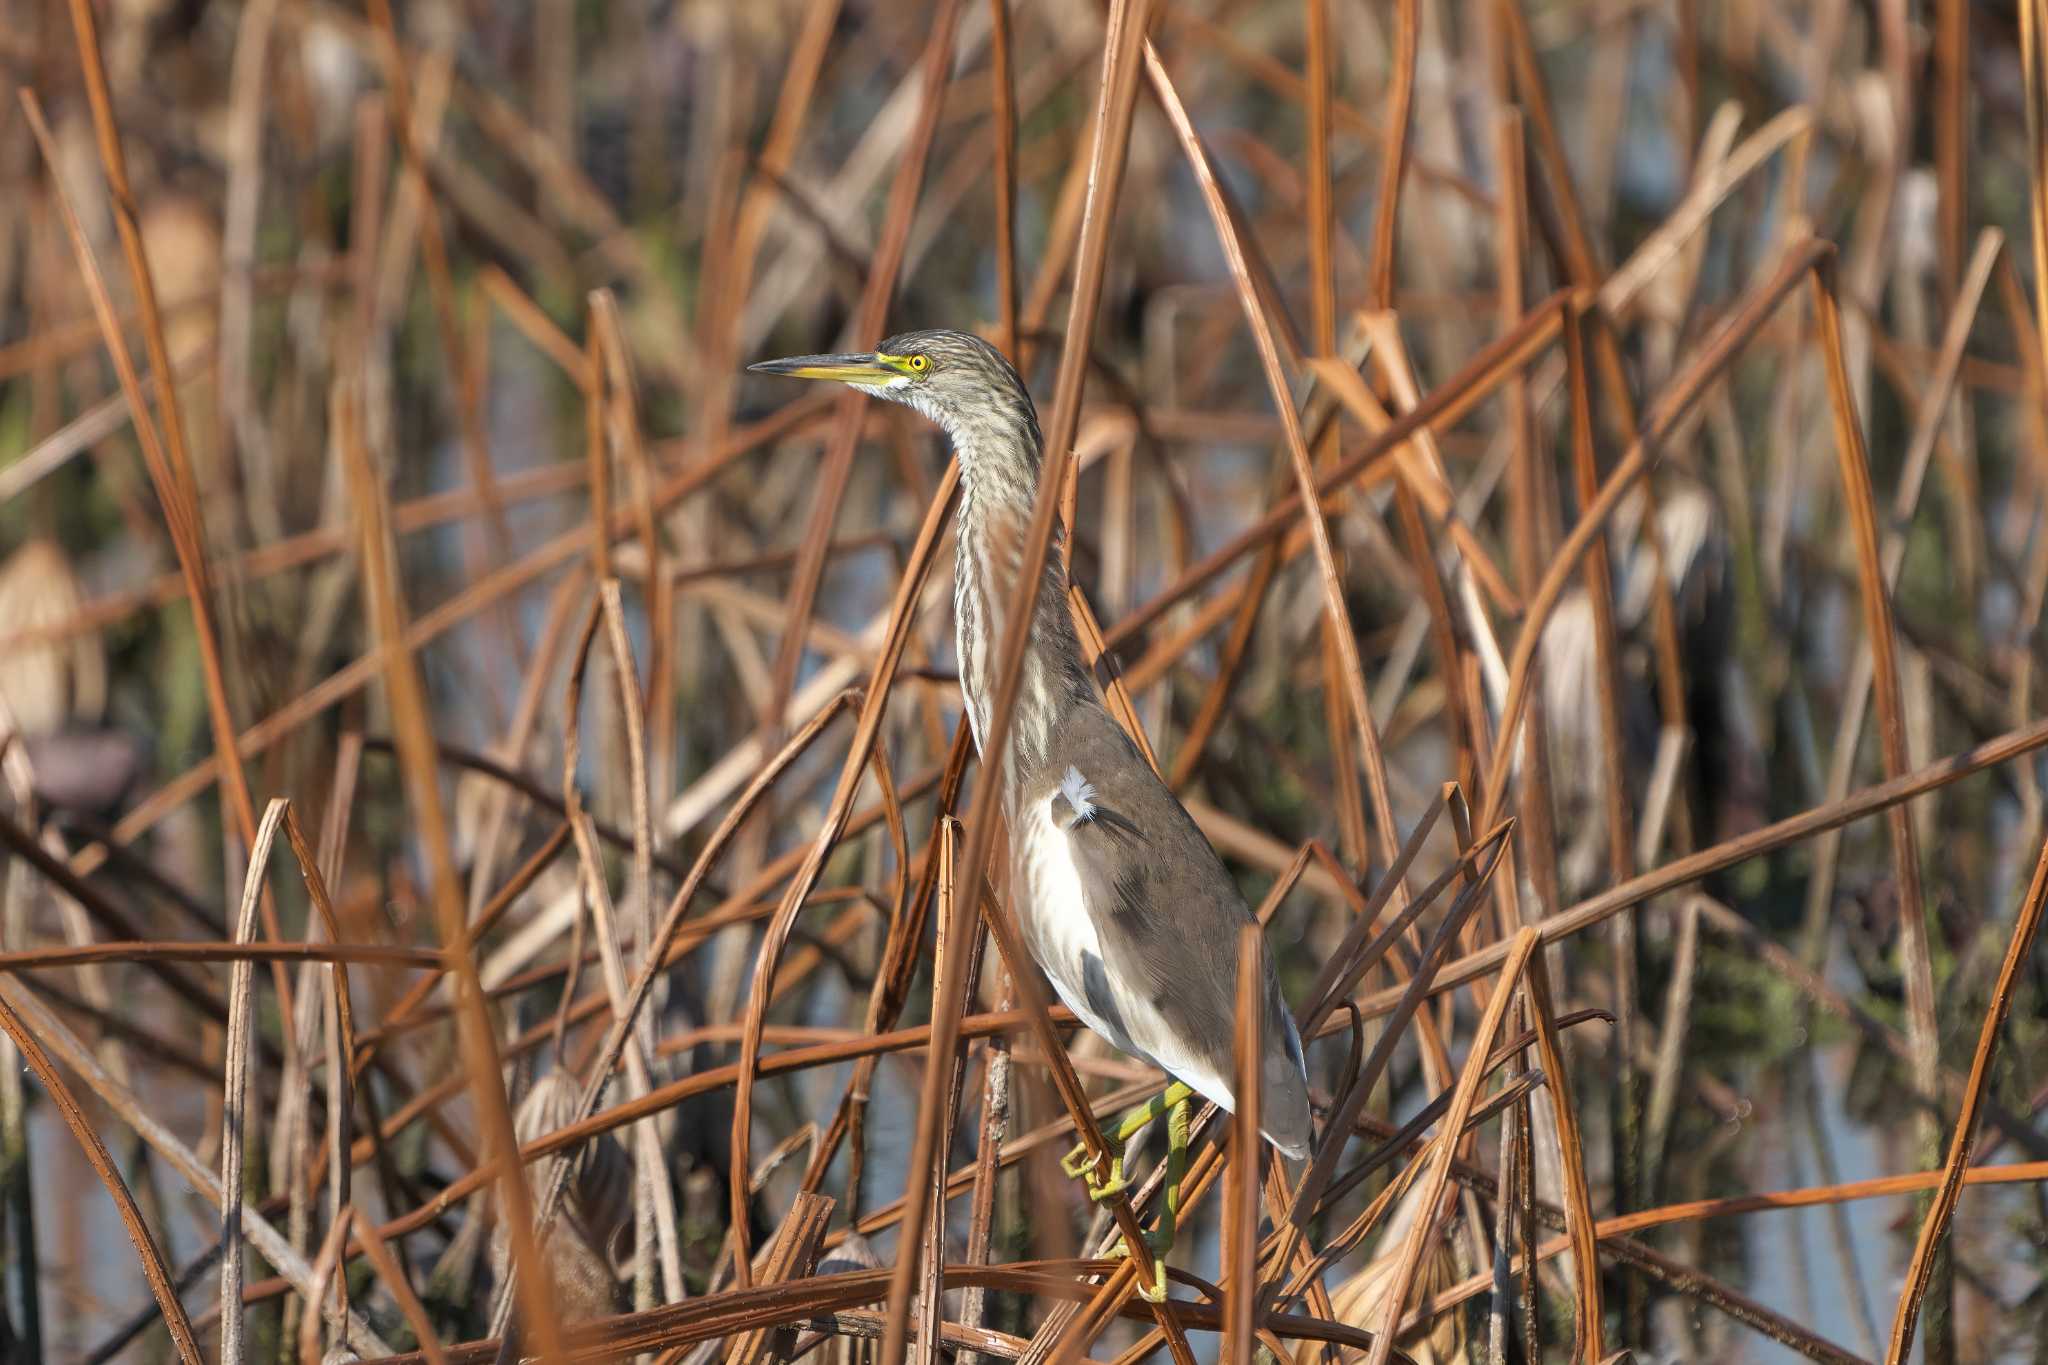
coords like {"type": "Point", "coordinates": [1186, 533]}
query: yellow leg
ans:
{"type": "Point", "coordinates": [1179, 1116]}
{"type": "Point", "coordinates": [1080, 1166]}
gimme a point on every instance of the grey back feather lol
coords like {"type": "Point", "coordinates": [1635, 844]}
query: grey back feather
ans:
{"type": "Point", "coordinates": [1166, 912]}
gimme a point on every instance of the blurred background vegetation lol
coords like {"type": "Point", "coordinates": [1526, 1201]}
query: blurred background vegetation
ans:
{"type": "Point", "coordinates": [513, 257]}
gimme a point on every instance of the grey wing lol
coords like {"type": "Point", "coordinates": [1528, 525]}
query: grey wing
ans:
{"type": "Point", "coordinates": [1167, 916]}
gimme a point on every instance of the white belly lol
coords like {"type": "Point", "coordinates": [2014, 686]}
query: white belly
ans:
{"type": "Point", "coordinates": [1060, 933]}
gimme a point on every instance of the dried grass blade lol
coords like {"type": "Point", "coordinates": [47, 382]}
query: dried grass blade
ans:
{"type": "Point", "coordinates": [1263, 336]}
{"type": "Point", "coordinates": [793, 1257]}
{"type": "Point", "coordinates": [235, 1086]}
{"type": "Point", "coordinates": [1935, 1229]}
{"type": "Point", "coordinates": [95, 1151]}
{"type": "Point", "coordinates": [1520, 952]}
{"type": "Point", "coordinates": [1586, 1334]}
{"type": "Point", "coordinates": [170, 474]}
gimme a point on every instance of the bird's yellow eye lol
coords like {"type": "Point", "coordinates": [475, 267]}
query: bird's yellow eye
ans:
{"type": "Point", "coordinates": [918, 364]}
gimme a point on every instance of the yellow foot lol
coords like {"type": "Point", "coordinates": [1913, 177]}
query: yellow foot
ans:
{"type": "Point", "coordinates": [1082, 1167]}
{"type": "Point", "coordinates": [1158, 1243]}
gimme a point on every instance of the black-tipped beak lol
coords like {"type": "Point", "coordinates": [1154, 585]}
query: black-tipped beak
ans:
{"type": "Point", "coordinates": [865, 370]}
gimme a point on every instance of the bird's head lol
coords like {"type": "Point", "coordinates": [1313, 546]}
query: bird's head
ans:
{"type": "Point", "coordinates": [956, 379]}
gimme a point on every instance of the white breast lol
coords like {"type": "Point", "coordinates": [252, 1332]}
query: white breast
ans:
{"type": "Point", "coordinates": [1054, 914]}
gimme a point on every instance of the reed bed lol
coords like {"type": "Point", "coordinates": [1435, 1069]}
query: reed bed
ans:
{"type": "Point", "coordinates": [493, 861]}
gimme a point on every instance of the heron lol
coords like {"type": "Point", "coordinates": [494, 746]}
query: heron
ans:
{"type": "Point", "coordinates": [1121, 901]}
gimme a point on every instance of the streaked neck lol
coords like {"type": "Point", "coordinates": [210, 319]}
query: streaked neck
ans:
{"type": "Point", "coordinates": [994, 520]}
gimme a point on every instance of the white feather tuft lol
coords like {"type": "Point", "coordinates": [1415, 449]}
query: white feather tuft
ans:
{"type": "Point", "coordinates": [1080, 794]}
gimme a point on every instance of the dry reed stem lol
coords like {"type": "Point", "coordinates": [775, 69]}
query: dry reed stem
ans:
{"type": "Point", "coordinates": [794, 1256]}
{"type": "Point", "coordinates": [1117, 96]}
{"type": "Point", "coordinates": [180, 950]}
{"type": "Point", "coordinates": [1322, 1166]}
{"type": "Point", "coordinates": [1905, 503]}
{"type": "Point", "coordinates": [1003, 101]}
{"type": "Point", "coordinates": [1680, 871]}
{"type": "Point", "coordinates": [777, 1305]}
{"type": "Point", "coordinates": [897, 966]}
{"type": "Point", "coordinates": [235, 1089]}
{"type": "Point", "coordinates": [353, 677]}
{"type": "Point", "coordinates": [1921, 1026]}
{"type": "Point", "coordinates": [22, 1005]}
{"type": "Point", "coordinates": [393, 1275]}
{"type": "Point", "coordinates": [1305, 1279]}
{"type": "Point", "coordinates": [859, 756]}
{"type": "Point", "coordinates": [1615, 1231]}
{"type": "Point", "coordinates": [1240, 1180]}
{"type": "Point", "coordinates": [1074, 1339]}
{"type": "Point", "coordinates": [1662, 299]}
{"type": "Point", "coordinates": [1440, 408]}
{"type": "Point", "coordinates": [1413, 1130]}
{"type": "Point", "coordinates": [1421, 1233]}
{"type": "Point", "coordinates": [95, 1151]}
{"type": "Point", "coordinates": [1586, 1326]}
{"type": "Point", "coordinates": [80, 434]}
{"type": "Point", "coordinates": [415, 742]}
{"type": "Point", "coordinates": [1352, 668]}
{"type": "Point", "coordinates": [1676, 399]}
{"type": "Point", "coordinates": [323, 1270]}
{"type": "Point", "coordinates": [169, 468]}
{"type": "Point", "coordinates": [672, 920]}
{"type": "Point", "coordinates": [1934, 1229]}
{"type": "Point", "coordinates": [1322, 265]}
{"type": "Point", "coordinates": [652, 1167]}
{"type": "Point", "coordinates": [935, 71]}
{"type": "Point", "coordinates": [1393, 156]}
